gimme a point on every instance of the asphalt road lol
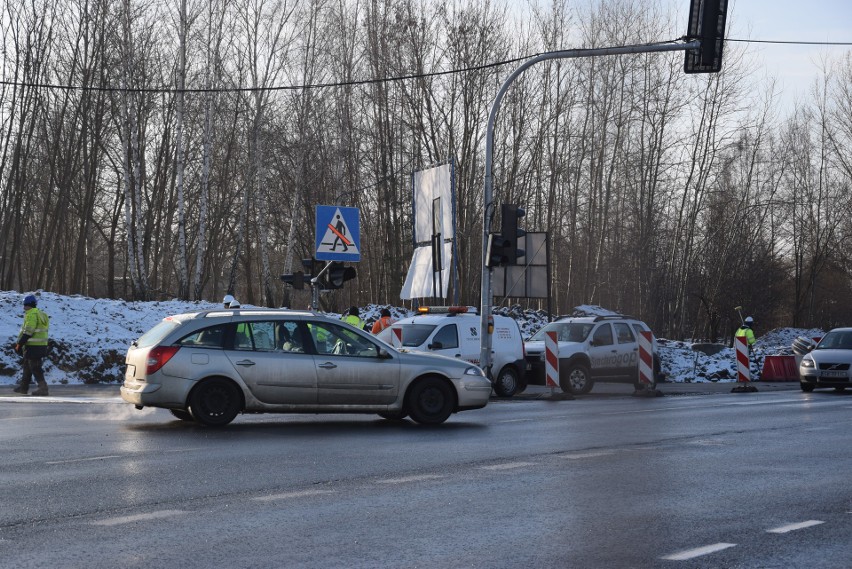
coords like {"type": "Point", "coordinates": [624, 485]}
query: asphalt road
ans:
{"type": "Point", "coordinates": [698, 478]}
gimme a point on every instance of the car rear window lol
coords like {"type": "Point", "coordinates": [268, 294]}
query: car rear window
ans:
{"type": "Point", "coordinates": [157, 333]}
{"type": "Point", "coordinates": [414, 335]}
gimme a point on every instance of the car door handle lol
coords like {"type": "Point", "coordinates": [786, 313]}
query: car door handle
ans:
{"type": "Point", "coordinates": [327, 365]}
{"type": "Point", "coordinates": [246, 363]}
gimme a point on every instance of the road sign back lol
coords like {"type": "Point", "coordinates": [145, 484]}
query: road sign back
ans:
{"type": "Point", "coordinates": [338, 234]}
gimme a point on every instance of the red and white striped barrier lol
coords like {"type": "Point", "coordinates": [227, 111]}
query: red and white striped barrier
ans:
{"type": "Point", "coordinates": [551, 359]}
{"type": "Point", "coordinates": [646, 358]}
{"type": "Point", "coordinates": [397, 337]}
{"type": "Point", "coordinates": [743, 369]}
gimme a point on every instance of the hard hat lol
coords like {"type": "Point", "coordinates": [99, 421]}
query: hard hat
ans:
{"type": "Point", "coordinates": [229, 298]}
{"type": "Point", "coordinates": [30, 300]}
{"type": "Point", "coordinates": [749, 320]}
{"type": "Point", "coordinates": [235, 303]}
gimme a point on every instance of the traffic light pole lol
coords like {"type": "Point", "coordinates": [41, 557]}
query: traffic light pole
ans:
{"type": "Point", "coordinates": [315, 288]}
{"type": "Point", "coordinates": [487, 195]}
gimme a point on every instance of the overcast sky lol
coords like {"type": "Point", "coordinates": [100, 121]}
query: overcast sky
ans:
{"type": "Point", "coordinates": [796, 66]}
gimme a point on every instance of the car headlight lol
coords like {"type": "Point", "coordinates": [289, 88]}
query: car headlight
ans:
{"type": "Point", "coordinates": [472, 370]}
{"type": "Point", "coordinates": [807, 362]}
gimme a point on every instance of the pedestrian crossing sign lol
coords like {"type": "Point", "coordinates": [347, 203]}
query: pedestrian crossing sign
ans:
{"type": "Point", "coordinates": [338, 235]}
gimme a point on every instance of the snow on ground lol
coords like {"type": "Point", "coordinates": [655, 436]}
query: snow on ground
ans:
{"type": "Point", "coordinates": [90, 337]}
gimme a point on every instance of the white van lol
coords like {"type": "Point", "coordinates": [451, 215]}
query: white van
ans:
{"type": "Point", "coordinates": [454, 331]}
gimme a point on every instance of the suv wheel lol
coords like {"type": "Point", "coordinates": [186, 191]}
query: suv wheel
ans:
{"type": "Point", "coordinates": [507, 382]}
{"type": "Point", "coordinates": [577, 380]}
{"type": "Point", "coordinates": [215, 402]}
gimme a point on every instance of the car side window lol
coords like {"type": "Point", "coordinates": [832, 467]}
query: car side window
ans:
{"type": "Point", "coordinates": [212, 337]}
{"type": "Point", "coordinates": [603, 335]}
{"type": "Point", "coordinates": [331, 339]}
{"type": "Point", "coordinates": [242, 337]}
{"type": "Point", "coordinates": [263, 334]}
{"type": "Point", "coordinates": [288, 337]}
{"type": "Point", "coordinates": [448, 336]}
{"type": "Point", "coordinates": [624, 333]}
{"type": "Point", "coordinates": [639, 329]}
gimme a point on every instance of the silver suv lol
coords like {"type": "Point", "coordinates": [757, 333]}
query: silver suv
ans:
{"type": "Point", "coordinates": [828, 364]}
{"type": "Point", "coordinates": [593, 348]}
{"type": "Point", "coordinates": [210, 366]}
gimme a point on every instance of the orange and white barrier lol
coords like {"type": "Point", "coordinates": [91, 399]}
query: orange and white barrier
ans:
{"type": "Point", "coordinates": [396, 337]}
{"type": "Point", "coordinates": [743, 369]}
{"type": "Point", "coordinates": [646, 358]}
{"type": "Point", "coordinates": [551, 359]}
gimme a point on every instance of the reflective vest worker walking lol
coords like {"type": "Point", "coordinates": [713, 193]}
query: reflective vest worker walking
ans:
{"type": "Point", "coordinates": [32, 345]}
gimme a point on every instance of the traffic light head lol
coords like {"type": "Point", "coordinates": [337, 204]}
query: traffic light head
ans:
{"type": "Point", "coordinates": [497, 254]}
{"type": "Point", "coordinates": [338, 274]}
{"type": "Point", "coordinates": [296, 280]}
{"type": "Point", "coordinates": [706, 23]}
{"type": "Point", "coordinates": [510, 233]}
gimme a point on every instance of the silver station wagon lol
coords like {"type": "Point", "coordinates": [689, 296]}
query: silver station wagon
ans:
{"type": "Point", "coordinates": [211, 366]}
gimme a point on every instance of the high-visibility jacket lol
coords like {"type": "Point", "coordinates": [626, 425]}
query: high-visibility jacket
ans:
{"type": "Point", "coordinates": [382, 323]}
{"type": "Point", "coordinates": [354, 321]}
{"type": "Point", "coordinates": [748, 333]}
{"type": "Point", "coordinates": [34, 327]}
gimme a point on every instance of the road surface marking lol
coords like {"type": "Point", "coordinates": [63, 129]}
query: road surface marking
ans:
{"type": "Point", "coordinates": [508, 465]}
{"type": "Point", "coordinates": [290, 495]}
{"type": "Point", "coordinates": [413, 478]}
{"type": "Point", "coordinates": [85, 459]}
{"type": "Point", "coordinates": [698, 551]}
{"type": "Point", "coordinates": [794, 527]}
{"type": "Point", "coordinates": [139, 517]}
{"type": "Point", "coordinates": [578, 455]}
{"type": "Point", "coordinates": [515, 421]}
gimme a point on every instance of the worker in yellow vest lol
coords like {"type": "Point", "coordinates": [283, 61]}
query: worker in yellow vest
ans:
{"type": "Point", "coordinates": [353, 318]}
{"type": "Point", "coordinates": [746, 331]}
{"type": "Point", "coordinates": [32, 345]}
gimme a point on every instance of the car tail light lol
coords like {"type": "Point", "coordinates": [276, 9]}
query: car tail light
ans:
{"type": "Point", "coordinates": [158, 357]}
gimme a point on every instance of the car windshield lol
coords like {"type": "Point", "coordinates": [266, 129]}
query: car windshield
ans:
{"type": "Point", "coordinates": [414, 335]}
{"type": "Point", "coordinates": [836, 341]}
{"type": "Point", "coordinates": [566, 331]}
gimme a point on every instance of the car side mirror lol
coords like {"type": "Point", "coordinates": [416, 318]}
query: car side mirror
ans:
{"type": "Point", "coordinates": [436, 346]}
{"type": "Point", "coordinates": [384, 354]}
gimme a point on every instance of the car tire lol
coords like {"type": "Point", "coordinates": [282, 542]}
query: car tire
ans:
{"type": "Point", "coordinates": [431, 401]}
{"type": "Point", "coordinates": [394, 415]}
{"type": "Point", "coordinates": [806, 387]}
{"type": "Point", "coordinates": [215, 402]}
{"type": "Point", "coordinates": [506, 383]}
{"type": "Point", "coordinates": [182, 414]}
{"type": "Point", "coordinates": [577, 380]}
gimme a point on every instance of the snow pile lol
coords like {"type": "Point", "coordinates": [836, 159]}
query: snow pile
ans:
{"type": "Point", "coordinates": [89, 337]}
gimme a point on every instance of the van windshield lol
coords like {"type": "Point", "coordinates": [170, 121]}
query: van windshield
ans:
{"type": "Point", "coordinates": [414, 335]}
{"type": "Point", "coordinates": [566, 331]}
